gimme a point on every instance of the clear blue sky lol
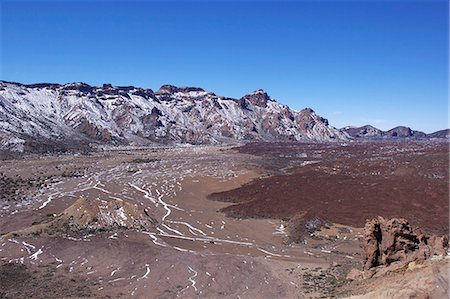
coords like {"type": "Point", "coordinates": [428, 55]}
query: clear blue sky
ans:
{"type": "Point", "coordinates": [378, 62]}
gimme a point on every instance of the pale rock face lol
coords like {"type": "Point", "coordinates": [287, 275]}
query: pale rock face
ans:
{"type": "Point", "coordinates": [53, 114]}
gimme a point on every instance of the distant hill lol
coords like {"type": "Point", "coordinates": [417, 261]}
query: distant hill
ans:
{"type": "Point", "coordinates": [440, 134]}
{"type": "Point", "coordinates": [402, 131]}
{"type": "Point", "coordinates": [370, 132]}
{"type": "Point", "coordinates": [364, 131]}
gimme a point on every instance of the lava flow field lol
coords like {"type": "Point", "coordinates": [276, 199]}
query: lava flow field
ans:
{"type": "Point", "coordinates": [348, 183]}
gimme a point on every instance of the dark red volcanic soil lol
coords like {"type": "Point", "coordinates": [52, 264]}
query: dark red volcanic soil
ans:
{"type": "Point", "coordinates": [349, 184]}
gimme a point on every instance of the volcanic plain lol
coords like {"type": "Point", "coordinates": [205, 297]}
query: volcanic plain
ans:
{"type": "Point", "coordinates": [260, 220]}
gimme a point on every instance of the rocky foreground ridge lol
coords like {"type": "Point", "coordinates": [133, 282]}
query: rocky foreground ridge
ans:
{"type": "Point", "coordinates": [392, 244]}
{"type": "Point", "coordinates": [43, 117]}
{"type": "Point", "coordinates": [400, 261]}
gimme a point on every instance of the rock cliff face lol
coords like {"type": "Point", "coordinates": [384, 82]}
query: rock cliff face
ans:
{"type": "Point", "coordinates": [55, 116]}
{"type": "Point", "coordinates": [394, 240]}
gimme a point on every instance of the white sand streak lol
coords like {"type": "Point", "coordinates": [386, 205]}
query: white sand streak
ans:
{"type": "Point", "coordinates": [34, 256]}
{"type": "Point", "coordinates": [171, 229]}
{"type": "Point", "coordinates": [176, 208]}
{"type": "Point", "coordinates": [188, 225]}
{"type": "Point", "coordinates": [154, 239]}
{"type": "Point", "coordinates": [267, 252]}
{"type": "Point", "coordinates": [191, 279]}
{"type": "Point", "coordinates": [160, 196]}
{"type": "Point", "coordinates": [145, 276]}
{"type": "Point", "coordinates": [49, 199]}
{"type": "Point", "coordinates": [96, 186]}
{"type": "Point", "coordinates": [146, 193]}
{"type": "Point", "coordinates": [114, 271]}
{"type": "Point", "coordinates": [281, 230]}
{"type": "Point", "coordinates": [28, 246]}
{"type": "Point", "coordinates": [88, 184]}
{"type": "Point", "coordinates": [208, 239]}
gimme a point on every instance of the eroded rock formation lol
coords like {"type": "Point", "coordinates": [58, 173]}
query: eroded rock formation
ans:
{"type": "Point", "coordinates": [394, 240]}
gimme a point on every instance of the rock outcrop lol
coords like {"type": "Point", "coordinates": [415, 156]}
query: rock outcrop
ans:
{"type": "Point", "coordinates": [88, 216]}
{"type": "Point", "coordinates": [387, 241]}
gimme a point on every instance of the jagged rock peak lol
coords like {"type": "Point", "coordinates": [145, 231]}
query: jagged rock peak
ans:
{"type": "Point", "coordinates": [78, 86]}
{"type": "Point", "coordinates": [107, 86]}
{"type": "Point", "coordinates": [258, 98]}
{"type": "Point", "coordinates": [259, 91]}
{"type": "Point", "coordinates": [167, 88]}
{"type": "Point", "coordinates": [307, 110]}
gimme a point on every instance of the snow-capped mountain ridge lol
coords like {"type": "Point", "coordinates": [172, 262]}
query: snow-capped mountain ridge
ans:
{"type": "Point", "coordinates": [77, 112]}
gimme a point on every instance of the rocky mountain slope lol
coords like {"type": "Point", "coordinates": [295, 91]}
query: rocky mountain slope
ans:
{"type": "Point", "coordinates": [43, 117]}
{"type": "Point", "coordinates": [440, 134]}
{"type": "Point", "coordinates": [364, 131]}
